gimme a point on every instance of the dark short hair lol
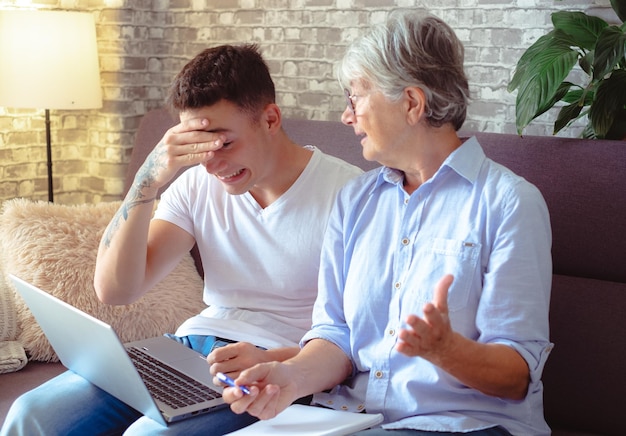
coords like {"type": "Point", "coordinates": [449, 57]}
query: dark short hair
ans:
{"type": "Point", "coordinates": [237, 74]}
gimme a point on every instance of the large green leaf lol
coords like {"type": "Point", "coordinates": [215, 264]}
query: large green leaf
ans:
{"type": "Point", "coordinates": [610, 99]}
{"type": "Point", "coordinates": [538, 54]}
{"type": "Point", "coordinates": [610, 51]}
{"type": "Point", "coordinates": [560, 93]}
{"type": "Point", "coordinates": [524, 68]}
{"type": "Point", "coordinates": [619, 6]}
{"type": "Point", "coordinates": [581, 96]}
{"type": "Point", "coordinates": [540, 76]}
{"type": "Point", "coordinates": [583, 29]}
{"type": "Point", "coordinates": [586, 62]}
{"type": "Point", "coordinates": [588, 132]}
{"type": "Point", "coordinates": [618, 129]}
{"type": "Point", "coordinates": [566, 114]}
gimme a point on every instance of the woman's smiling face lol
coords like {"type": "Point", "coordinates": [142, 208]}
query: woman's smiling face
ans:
{"type": "Point", "coordinates": [376, 119]}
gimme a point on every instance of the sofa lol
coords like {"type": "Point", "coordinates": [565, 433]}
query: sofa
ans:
{"type": "Point", "coordinates": [584, 185]}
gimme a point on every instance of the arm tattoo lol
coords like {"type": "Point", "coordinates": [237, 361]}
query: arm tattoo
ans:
{"type": "Point", "coordinates": [145, 178]}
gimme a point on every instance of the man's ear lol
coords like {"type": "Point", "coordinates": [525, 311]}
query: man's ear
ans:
{"type": "Point", "coordinates": [272, 118]}
{"type": "Point", "coordinates": [416, 99]}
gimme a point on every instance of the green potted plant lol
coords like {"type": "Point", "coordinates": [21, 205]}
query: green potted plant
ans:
{"type": "Point", "coordinates": [600, 51]}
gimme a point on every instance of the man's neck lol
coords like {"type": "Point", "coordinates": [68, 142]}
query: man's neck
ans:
{"type": "Point", "coordinates": [290, 163]}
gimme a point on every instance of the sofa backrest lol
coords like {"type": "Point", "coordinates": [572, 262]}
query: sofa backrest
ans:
{"type": "Point", "coordinates": [584, 185]}
{"type": "Point", "coordinates": [152, 127]}
{"type": "Point", "coordinates": [331, 137]}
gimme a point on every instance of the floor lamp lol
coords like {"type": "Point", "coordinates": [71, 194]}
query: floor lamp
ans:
{"type": "Point", "coordinates": [49, 60]}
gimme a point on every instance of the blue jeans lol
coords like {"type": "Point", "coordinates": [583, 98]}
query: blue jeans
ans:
{"type": "Point", "coordinates": [202, 344]}
{"type": "Point", "coordinates": [69, 405]}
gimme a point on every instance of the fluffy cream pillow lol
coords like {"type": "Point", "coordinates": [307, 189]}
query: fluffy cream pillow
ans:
{"type": "Point", "coordinates": [54, 247]}
{"type": "Point", "coordinates": [8, 321]}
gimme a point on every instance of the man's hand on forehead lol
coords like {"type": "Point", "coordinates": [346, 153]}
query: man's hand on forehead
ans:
{"type": "Point", "coordinates": [190, 124]}
{"type": "Point", "coordinates": [194, 135]}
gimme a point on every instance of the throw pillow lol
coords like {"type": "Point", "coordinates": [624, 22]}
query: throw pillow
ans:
{"type": "Point", "coordinates": [54, 247]}
{"type": "Point", "coordinates": [12, 355]}
{"type": "Point", "coordinates": [8, 321]}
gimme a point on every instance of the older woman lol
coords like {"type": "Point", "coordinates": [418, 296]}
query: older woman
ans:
{"type": "Point", "coordinates": [436, 268]}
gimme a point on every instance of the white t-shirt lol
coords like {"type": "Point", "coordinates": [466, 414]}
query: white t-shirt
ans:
{"type": "Point", "coordinates": [260, 265]}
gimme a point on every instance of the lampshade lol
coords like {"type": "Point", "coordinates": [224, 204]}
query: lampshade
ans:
{"type": "Point", "coordinates": [49, 60]}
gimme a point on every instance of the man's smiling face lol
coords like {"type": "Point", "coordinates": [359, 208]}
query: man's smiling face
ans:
{"type": "Point", "coordinates": [241, 163]}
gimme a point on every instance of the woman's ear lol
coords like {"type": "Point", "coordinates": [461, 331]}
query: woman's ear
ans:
{"type": "Point", "coordinates": [416, 99]}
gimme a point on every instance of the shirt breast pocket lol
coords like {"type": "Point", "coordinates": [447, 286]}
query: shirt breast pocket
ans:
{"type": "Point", "coordinates": [449, 256]}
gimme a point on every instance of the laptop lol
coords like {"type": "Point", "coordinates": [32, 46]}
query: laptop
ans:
{"type": "Point", "coordinates": [159, 377]}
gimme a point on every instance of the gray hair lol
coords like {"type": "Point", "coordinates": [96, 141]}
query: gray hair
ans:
{"type": "Point", "coordinates": [412, 49]}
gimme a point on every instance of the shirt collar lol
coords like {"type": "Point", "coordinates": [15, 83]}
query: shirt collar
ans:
{"type": "Point", "coordinates": [465, 161]}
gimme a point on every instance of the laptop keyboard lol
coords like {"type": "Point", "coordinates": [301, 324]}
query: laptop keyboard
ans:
{"type": "Point", "coordinates": [167, 384]}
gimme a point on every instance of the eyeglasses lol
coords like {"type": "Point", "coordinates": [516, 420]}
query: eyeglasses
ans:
{"type": "Point", "coordinates": [351, 100]}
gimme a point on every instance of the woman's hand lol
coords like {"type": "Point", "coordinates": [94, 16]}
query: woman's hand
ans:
{"type": "Point", "coordinates": [432, 335]}
{"type": "Point", "coordinates": [272, 390]}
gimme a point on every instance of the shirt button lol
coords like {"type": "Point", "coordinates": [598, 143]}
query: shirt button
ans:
{"type": "Point", "coordinates": [360, 407]}
{"type": "Point", "coordinates": [397, 285]}
{"type": "Point", "coordinates": [391, 332]}
{"type": "Point", "coordinates": [406, 201]}
{"type": "Point", "coordinates": [405, 241]}
{"type": "Point", "coordinates": [329, 402]}
{"type": "Point", "coordinates": [378, 374]}
{"type": "Point", "coordinates": [344, 407]}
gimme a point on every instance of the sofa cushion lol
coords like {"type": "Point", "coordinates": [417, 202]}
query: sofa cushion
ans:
{"type": "Point", "coordinates": [54, 247]}
{"type": "Point", "coordinates": [331, 137]}
{"type": "Point", "coordinates": [584, 377]}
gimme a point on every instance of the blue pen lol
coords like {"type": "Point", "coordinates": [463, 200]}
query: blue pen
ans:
{"type": "Point", "coordinates": [230, 382]}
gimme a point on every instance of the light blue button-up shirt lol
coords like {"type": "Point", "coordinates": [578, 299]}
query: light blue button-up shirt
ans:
{"type": "Point", "coordinates": [385, 250]}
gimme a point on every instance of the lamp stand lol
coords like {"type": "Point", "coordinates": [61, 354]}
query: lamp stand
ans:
{"type": "Point", "coordinates": [49, 61]}
{"type": "Point", "coordinates": [49, 156]}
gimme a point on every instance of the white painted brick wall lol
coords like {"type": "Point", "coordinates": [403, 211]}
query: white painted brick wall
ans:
{"type": "Point", "coordinates": [143, 43]}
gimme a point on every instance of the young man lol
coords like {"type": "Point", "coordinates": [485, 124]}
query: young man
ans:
{"type": "Point", "coordinates": [256, 204]}
{"type": "Point", "coordinates": [436, 270]}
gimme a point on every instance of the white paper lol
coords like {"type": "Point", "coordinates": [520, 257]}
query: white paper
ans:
{"type": "Point", "coordinates": [300, 420]}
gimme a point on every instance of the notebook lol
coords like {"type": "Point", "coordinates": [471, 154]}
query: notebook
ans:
{"type": "Point", "coordinates": [300, 420]}
{"type": "Point", "coordinates": [92, 349]}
